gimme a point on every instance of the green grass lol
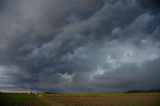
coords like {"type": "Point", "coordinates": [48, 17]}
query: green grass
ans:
{"type": "Point", "coordinates": [18, 99]}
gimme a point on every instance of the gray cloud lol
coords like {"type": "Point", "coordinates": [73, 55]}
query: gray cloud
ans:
{"type": "Point", "coordinates": [79, 46]}
{"type": "Point", "coordinates": [150, 4]}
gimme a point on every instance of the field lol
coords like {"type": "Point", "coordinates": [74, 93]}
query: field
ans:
{"type": "Point", "coordinates": [138, 99]}
{"type": "Point", "coordinates": [19, 100]}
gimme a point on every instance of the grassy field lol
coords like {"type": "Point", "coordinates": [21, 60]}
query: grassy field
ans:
{"type": "Point", "coordinates": [138, 99]}
{"type": "Point", "coordinates": [145, 99]}
{"type": "Point", "coordinates": [19, 100]}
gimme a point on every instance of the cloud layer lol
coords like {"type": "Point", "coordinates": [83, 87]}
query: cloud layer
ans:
{"type": "Point", "coordinates": [79, 46]}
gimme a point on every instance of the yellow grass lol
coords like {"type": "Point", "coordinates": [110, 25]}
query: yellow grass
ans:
{"type": "Point", "coordinates": [137, 99]}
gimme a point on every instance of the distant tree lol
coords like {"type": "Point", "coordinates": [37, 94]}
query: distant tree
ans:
{"type": "Point", "coordinates": [143, 91]}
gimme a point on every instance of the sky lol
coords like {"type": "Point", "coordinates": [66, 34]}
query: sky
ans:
{"type": "Point", "coordinates": [79, 46]}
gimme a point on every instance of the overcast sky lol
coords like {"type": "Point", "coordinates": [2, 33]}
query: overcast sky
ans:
{"type": "Point", "coordinates": [79, 46]}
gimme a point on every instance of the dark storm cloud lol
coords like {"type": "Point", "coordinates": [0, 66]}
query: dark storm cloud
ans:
{"type": "Point", "coordinates": [150, 4]}
{"type": "Point", "coordinates": [131, 76]}
{"type": "Point", "coordinates": [1, 4]}
{"type": "Point", "coordinates": [79, 45]}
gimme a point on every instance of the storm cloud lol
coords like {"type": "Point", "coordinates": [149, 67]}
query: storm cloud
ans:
{"type": "Point", "coordinates": [79, 46]}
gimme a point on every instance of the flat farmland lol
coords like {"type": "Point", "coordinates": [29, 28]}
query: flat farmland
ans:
{"type": "Point", "coordinates": [138, 99]}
